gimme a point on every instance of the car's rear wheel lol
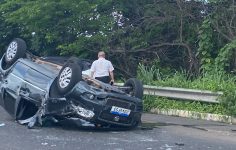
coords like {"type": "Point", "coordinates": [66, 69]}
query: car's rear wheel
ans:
{"type": "Point", "coordinates": [69, 75]}
{"type": "Point", "coordinates": [135, 87]}
{"type": "Point", "coordinates": [15, 50]}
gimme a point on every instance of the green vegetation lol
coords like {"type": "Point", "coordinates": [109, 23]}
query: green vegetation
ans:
{"type": "Point", "coordinates": [213, 81]}
{"type": "Point", "coordinates": [192, 35]}
{"type": "Point", "coordinates": [165, 103]}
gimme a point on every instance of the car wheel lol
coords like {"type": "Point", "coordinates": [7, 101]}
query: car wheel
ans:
{"type": "Point", "coordinates": [68, 76]}
{"type": "Point", "coordinates": [136, 124]}
{"type": "Point", "coordinates": [15, 50]}
{"type": "Point", "coordinates": [136, 88]}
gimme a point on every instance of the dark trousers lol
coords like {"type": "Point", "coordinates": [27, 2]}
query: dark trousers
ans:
{"type": "Point", "coordinates": [105, 79]}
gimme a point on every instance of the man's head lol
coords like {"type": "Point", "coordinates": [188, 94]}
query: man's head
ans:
{"type": "Point", "coordinates": [101, 54]}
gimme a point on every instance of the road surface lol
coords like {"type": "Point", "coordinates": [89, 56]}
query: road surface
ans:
{"type": "Point", "coordinates": [156, 133]}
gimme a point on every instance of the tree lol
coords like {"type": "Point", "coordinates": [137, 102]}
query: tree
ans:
{"type": "Point", "coordinates": [56, 27]}
{"type": "Point", "coordinates": [173, 32]}
{"type": "Point", "coordinates": [160, 29]}
{"type": "Point", "coordinates": [217, 37]}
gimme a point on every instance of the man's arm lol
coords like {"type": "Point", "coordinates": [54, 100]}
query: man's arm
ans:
{"type": "Point", "coordinates": [111, 68]}
{"type": "Point", "coordinates": [92, 69]}
{"type": "Point", "coordinates": [112, 76]}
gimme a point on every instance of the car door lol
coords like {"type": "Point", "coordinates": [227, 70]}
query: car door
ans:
{"type": "Point", "coordinates": [12, 83]}
{"type": "Point", "coordinates": [36, 85]}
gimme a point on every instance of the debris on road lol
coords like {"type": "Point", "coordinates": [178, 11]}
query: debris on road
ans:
{"type": "Point", "coordinates": [44, 143]}
{"type": "Point", "coordinates": [179, 144]}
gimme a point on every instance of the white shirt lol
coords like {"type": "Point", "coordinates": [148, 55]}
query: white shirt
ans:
{"type": "Point", "coordinates": [101, 67]}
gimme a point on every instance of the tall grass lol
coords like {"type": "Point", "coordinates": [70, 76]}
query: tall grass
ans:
{"type": "Point", "coordinates": [213, 81]}
{"type": "Point", "coordinates": [146, 74]}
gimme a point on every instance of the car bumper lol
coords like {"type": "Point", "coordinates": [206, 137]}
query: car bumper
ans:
{"type": "Point", "coordinates": [97, 108]}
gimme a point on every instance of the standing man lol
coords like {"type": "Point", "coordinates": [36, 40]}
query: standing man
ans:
{"type": "Point", "coordinates": [102, 69]}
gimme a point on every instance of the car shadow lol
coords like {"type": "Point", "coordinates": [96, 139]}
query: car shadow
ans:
{"type": "Point", "coordinates": [76, 125]}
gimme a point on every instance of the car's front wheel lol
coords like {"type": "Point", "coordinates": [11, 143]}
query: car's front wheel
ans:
{"type": "Point", "coordinates": [15, 50]}
{"type": "Point", "coordinates": [68, 76]}
{"type": "Point", "coordinates": [135, 87]}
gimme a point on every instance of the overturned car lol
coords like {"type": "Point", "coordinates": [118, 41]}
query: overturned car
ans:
{"type": "Point", "coordinates": [35, 89]}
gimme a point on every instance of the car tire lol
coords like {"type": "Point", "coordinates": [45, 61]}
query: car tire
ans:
{"type": "Point", "coordinates": [136, 124]}
{"type": "Point", "coordinates": [15, 50]}
{"type": "Point", "coordinates": [68, 76]}
{"type": "Point", "coordinates": [136, 87]}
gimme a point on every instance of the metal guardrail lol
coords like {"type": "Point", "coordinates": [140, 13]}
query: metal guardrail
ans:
{"type": "Point", "coordinates": [181, 93]}
{"type": "Point", "coordinates": [185, 94]}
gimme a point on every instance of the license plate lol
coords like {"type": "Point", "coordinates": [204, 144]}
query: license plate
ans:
{"type": "Point", "coordinates": [120, 111]}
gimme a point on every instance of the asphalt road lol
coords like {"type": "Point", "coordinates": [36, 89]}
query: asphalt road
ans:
{"type": "Point", "coordinates": [156, 133]}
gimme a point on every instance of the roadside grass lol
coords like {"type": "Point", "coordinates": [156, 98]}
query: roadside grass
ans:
{"type": "Point", "coordinates": [166, 103]}
{"type": "Point", "coordinates": [208, 81]}
{"type": "Point", "coordinates": [213, 81]}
